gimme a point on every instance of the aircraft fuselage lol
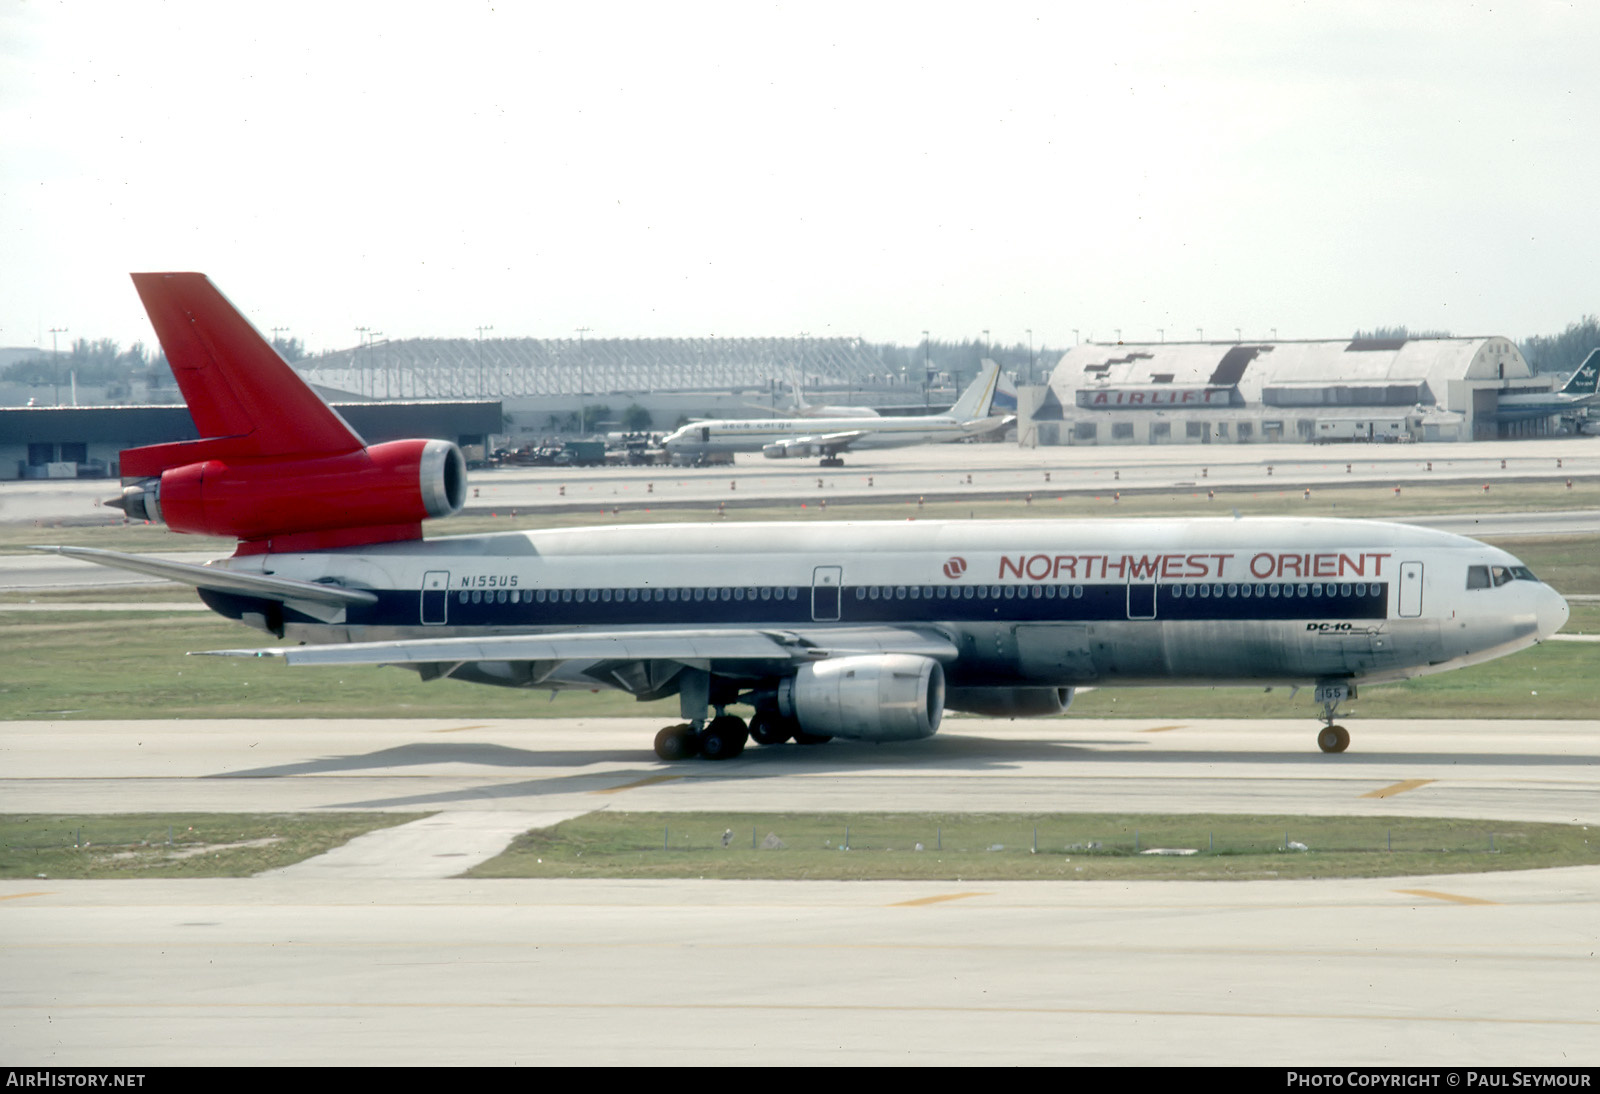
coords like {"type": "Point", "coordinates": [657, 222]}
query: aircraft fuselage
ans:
{"type": "Point", "coordinates": [1025, 603]}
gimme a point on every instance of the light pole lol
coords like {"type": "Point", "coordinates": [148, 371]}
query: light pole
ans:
{"type": "Point", "coordinates": [927, 369]}
{"type": "Point", "coordinates": [355, 358]}
{"type": "Point", "coordinates": [1030, 355]}
{"type": "Point", "coordinates": [480, 358]}
{"type": "Point", "coordinates": [582, 359]}
{"type": "Point", "coordinates": [55, 360]}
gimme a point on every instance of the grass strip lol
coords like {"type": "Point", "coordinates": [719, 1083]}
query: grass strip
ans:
{"type": "Point", "coordinates": [1028, 847]}
{"type": "Point", "coordinates": [171, 845]}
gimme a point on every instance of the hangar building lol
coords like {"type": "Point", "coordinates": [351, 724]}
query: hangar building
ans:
{"type": "Point", "coordinates": [1415, 389]}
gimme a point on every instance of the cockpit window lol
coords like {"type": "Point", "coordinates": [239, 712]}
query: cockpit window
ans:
{"type": "Point", "coordinates": [1484, 577]}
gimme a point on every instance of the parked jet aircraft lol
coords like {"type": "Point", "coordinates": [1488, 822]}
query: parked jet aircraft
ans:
{"type": "Point", "coordinates": [802, 409]}
{"type": "Point", "coordinates": [1004, 403]}
{"type": "Point", "coordinates": [779, 438]}
{"type": "Point", "coordinates": [1580, 391]}
{"type": "Point", "coordinates": [857, 630]}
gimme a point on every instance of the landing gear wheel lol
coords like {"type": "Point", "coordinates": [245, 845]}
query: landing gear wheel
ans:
{"type": "Point", "coordinates": [769, 729]}
{"type": "Point", "coordinates": [811, 739]}
{"type": "Point", "coordinates": [724, 738]}
{"type": "Point", "coordinates": [1333, 739]}
{"type": "Point", "coordinates": [677, 743]}
{"type": "Point", "coordinates": [831, 461]}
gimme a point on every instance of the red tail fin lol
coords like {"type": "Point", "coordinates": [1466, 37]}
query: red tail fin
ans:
{"type": "Point", "coordinates": [275, 466]}
{"type": "Point", "coordinates": [245, 400]}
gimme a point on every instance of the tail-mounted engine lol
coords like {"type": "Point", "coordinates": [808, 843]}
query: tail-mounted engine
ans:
{"type": "Point", "coordinates": [396, 484]}
{"type": "Point", "coordinates": [276, 466]}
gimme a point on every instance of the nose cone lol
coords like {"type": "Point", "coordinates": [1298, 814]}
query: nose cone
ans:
{"type": "Point", "coordinates": [1552, 612]}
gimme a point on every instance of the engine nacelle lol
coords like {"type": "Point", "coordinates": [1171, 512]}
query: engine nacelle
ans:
{"type": "Point", "coordinates": [881, 697]}
{"type": "Point", "coordinates": [399, 482]}
{"type": "Point", "coordinates": [1009, 702]}
{"type": "Point", "coordinates": [783, 450]}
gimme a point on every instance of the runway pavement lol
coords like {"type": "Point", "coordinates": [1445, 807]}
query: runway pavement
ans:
{"type": "Point", "coordinates": [375, 954]}
{"type": "Point", "coordinates": [362, 961]}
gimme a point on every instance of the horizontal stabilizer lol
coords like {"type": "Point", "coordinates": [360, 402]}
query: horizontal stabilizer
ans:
{"type": "Point", "coordinates": [227, 581]}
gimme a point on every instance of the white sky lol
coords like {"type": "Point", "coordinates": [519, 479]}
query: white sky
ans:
{"type": "Point", "coordinates": [689, 169]}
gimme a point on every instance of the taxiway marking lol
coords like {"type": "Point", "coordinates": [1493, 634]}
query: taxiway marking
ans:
{"type": "Point", "coordinates": [921, 901]}
{"type": "Point", "coordinates": [1398, 788]}
{"type": "Point", "coordinates": [1452, 897]}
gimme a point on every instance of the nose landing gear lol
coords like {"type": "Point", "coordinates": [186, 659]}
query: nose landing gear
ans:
{"type": "Point", "coordinates": [1333, 738]}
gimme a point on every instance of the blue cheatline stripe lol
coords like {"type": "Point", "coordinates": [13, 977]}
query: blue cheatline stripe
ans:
{"type": "Point", "coordinates": [904, 604]}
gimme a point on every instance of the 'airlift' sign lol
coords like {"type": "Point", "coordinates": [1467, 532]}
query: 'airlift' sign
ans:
{"type": "Point", "coordinates": [1122, 398]}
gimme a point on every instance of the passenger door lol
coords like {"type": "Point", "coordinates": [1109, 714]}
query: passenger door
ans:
{"type": "Point", "coordinates": [1410, 590]}
{"type": "Point", "coordinates": [435, 597]}
{"type": "Point", "coordinates": [825, 584]}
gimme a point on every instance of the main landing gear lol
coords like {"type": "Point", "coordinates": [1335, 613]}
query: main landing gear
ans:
{"type": "Point", "coordinates": [725, 736]}
{"type": "Point", "coordinates": [1332, 738]}
{"type": "Point", "coordinates": [831, 461]}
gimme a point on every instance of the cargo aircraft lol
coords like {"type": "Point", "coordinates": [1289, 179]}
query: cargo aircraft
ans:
{"type": "Point", "coordinates": [868, 631]}
{"type": "Point", "coordinates": [781, 438]}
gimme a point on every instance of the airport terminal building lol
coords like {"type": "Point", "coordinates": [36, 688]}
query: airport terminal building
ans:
{"type": "Point", "coordinates": [70, 442]}
{"type": "Point", "coordinates": [1414, 389]}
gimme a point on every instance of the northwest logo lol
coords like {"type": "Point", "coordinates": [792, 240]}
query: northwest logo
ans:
{"type": "Point", "coordinates": [955, 568]}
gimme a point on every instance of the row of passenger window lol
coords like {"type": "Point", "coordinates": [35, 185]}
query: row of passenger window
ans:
{"type": "Point", "coordinates": [622, 596]}
{"type": "Point", "coordinates": [967, 592]}
{"type": "Point", "coordinates": [1274, 590]}
{"type": "Point", "coordinates": [887, 592]}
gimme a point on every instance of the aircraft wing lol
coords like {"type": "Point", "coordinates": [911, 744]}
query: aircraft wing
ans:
{"type": "Point", "coordinates": [830, 443]}
{"type": "Point", "coordinates": [228, 581]}
{"type": "Point", "coordinates": [689, 645]}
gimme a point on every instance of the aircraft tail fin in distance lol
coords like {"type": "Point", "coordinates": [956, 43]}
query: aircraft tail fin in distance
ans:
{"type": "Point", "coordinates": [1586, 381]}
{"type": "Point", "coordinates": [241, 393]}
{"type": "Point", "coordinates": [1005, 396]}
{"type": "Point", "coordinates": [979, 395]}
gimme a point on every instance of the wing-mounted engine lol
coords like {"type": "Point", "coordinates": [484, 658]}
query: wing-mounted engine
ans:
{"type": "Point", "coordinates": [888, 697]}
{"type": "Point", "coordinates": [784, 450]}
{"type": "Point", "coordinates": [1009, 702]}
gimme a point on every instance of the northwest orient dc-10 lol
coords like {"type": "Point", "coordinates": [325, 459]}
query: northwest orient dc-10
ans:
{"type": "Point", "coordinates": [780, 438]}
{"type": "Point", "coordinates": [868, 631]}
